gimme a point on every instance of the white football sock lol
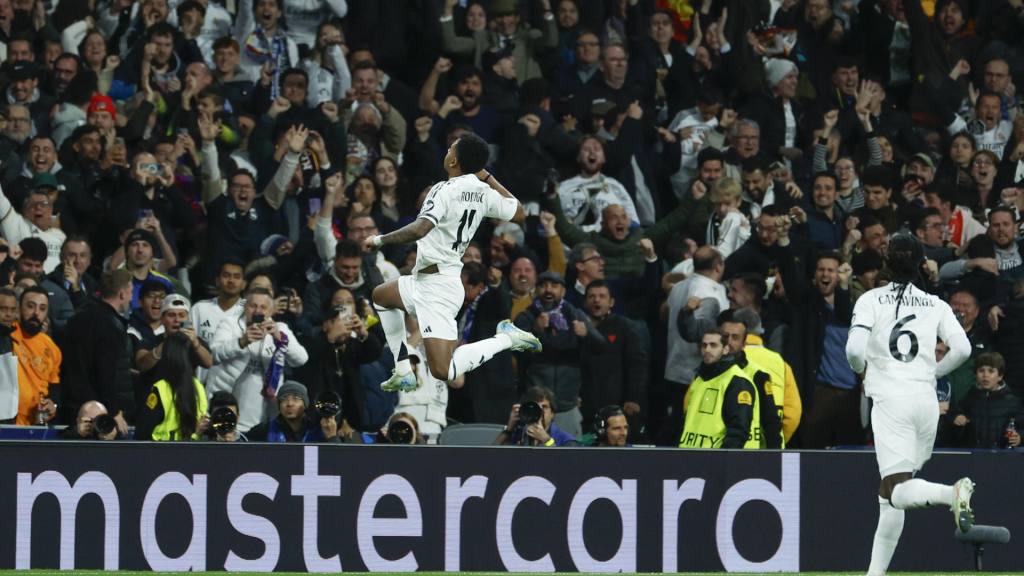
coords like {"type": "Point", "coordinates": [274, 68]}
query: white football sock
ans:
{"type": "Point", "coordinates": [393, 323]}
{"type": "Point", "coordinates": [887, 536]}
{"type": "Point", "coordinates": [469, 357]}
{"type": "Point", "coordinates": [918, 493]}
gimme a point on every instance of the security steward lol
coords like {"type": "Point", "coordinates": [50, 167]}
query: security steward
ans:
{"type": "Point", "coordinates": [161, 410]}
{"type": "Point", "coordinates": [722, 409]}
{"type": "Point", "coordinates": [769, 384]}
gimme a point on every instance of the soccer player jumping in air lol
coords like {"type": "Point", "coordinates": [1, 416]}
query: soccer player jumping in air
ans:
{"type": "Point", "coordinates": [433, 293]}
{"type": "Point", "coordinates": [892, 335]}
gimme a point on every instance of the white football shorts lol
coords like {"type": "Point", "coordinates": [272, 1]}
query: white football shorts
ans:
{"type": "Point", "coordinates": [435, 301]}
{"type": "Point", "coordinates": [904, 428]}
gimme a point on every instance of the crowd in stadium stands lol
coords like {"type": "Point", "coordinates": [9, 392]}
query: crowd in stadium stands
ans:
{"type": "Point", "coordinates": [187, 186]}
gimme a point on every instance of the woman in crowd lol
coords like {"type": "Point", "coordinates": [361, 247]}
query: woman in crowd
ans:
{"type": "Point", "coordinates": [176, 407]}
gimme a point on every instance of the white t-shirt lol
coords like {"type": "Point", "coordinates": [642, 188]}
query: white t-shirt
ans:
{"type": "Point", "coordinates": [582, 196]}
{"type": "Point", "coordinates": [456, 207]}
{"type": "Point", "coordinates": [901, 351]}
{"type": "Point", "coordinates": [692, 145]}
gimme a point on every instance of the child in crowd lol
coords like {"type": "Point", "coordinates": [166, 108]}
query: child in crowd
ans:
{"type": "Point", "coordinates": [728, 228]}
{"type": "Point", "coordinates": [982, 418]}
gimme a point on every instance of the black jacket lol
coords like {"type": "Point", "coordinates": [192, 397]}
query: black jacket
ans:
{"type": "Point", "coordinates": [770, 115]}
{"type": "Point", "coordinates": [754, 257]}
{"type": "Point", "coordinates": [491, 389]}
{"type": "Point", "coordinates": [988, 413]}
{"type": "Point", "coordinates": [810, 315]}
{"type": "Point", "coordinates": [557, 367]}
{"type": "Point", "coordinates": [616, 370]}
{"type": "Point", "coordinates": [97, 362]}
{"type": "Point", "coordinates": [1008, 341]}
{"type": "Point", "coordinates": [79, 298]}
{"type": "Point", "coordinates": [321, 372]}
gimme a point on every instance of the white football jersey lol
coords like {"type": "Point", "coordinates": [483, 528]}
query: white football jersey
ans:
{"type": "Point", "coordinates": [900, 354]}
{"type": "Point", "coordinates": [456, 207]}
{"type": "Point", "coordinates": [205, 316]}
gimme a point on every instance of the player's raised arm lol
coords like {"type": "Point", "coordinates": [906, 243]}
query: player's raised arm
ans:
{"type": "Point", "coordinates": [409, 233]}
{"type": "Point", "coordinates": [489, 179]}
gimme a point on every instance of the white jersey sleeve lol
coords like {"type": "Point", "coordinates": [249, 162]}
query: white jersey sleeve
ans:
{"type": "Point", "coordinates": [435, 205]}
{"type": "Point", "coordinates": [500, 207]}
{"type": "Point", "coordinates": [900, 353]}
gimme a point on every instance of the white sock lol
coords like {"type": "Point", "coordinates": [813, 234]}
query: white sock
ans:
{"type": "Point", "coordinates": [887, 536]}
{"type": "Point", "coordinates": [918, 493]}
{"type": "Point", "coordinates": [392, 320]}
{"type": "Point", "coordinates": [468, 357]}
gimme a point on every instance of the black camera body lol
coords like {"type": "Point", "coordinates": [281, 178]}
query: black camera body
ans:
{"type": "Point", "coordinates": [530, 413]}
{"type": "Point", "coordinates": [223, 421]}
{"type": "Point", "coordinates": [401, 432]}
{"type": "Point", "coordinates": [328, 404]}
{"type": "Point", "coordinates": [102, 425]}
{"type": "Point", "coordinates": [257, 319]}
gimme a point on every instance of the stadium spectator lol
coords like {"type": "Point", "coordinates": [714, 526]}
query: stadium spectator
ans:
{"type": "Point", "coordinates": [97, 365]}
{"type": "Point", "coordinates": [617, 369]}
{"type": "Point", "coordinates": [336, 354]}
{"type": "Point", "coordinates": [39, 360]}
{"type": "Point", "coordinates": [981, 419]}
{"type": "Point", "coordinates": [257, 138]}
{"type": "Point", "coordinates": [294, 423]}
{"type": "Point", "coordinates": [564, 331]}
{"type": "Point", "coordinates": [250, 355]}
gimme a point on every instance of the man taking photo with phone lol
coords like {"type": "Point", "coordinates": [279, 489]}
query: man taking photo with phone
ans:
{"type": "Point", "coordinates": [250, 355]}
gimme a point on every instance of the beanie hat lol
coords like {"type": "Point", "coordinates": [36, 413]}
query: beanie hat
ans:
{"type": "Point", "coordinates": [294, 388]}
{"type": "Point", "coordinates": [102, 103]}
{"type": "Point", "coordinates": [775, 69]}
{"type": "Point", "coordinates": [143, 235]}
{"type": "Point", "coordinates": [271, 243]}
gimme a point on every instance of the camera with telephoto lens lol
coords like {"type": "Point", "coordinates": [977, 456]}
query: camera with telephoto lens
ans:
{"type": "Point", "coordinates": [401, 432]}
{"type": "Point", "coordinates": [328, 404]}
{"type": "Point", "coordinates": [223, 421]}
{"type": "Point", "coordinates": [103, 425]}
{"type": "Point", "coordinates": [530, 413]}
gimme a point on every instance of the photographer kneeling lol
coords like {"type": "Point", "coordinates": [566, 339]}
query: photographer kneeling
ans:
{"type": "Point", "coordinates": [531, 422]}
{"type": "Point", "coordinates": [402, 428]}
{"type": "Point", "coordinates": [222, 425]}
{"type": "Point", "coordinates": [293, 424]}
{"type": "Point", "coordinates": [92, 423]}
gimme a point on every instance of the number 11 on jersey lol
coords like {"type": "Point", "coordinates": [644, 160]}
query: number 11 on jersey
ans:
{"type": "Point", "coordinates": [466, 220]}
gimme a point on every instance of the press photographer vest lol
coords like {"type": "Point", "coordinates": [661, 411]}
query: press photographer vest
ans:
{"type": "Point", "coordinates": [168, 429]}
{"type": "Point", "coordinates": [704, 426]}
